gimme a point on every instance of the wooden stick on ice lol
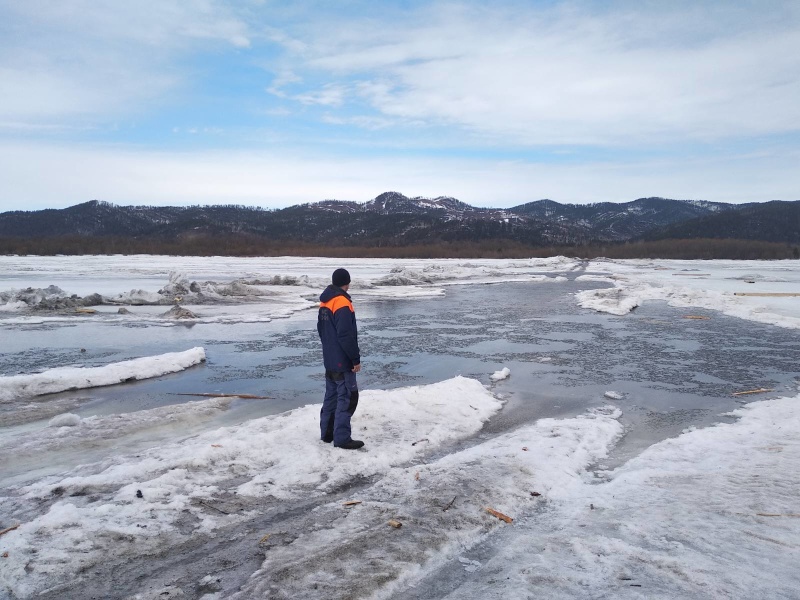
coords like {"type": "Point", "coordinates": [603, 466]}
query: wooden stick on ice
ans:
{"type": "Point", "coordinates": [7, 529]}
{"type": "Point", "coordinates": [758, 391]}
{"type": "Point", "coordinates": [499, 515]}
{"type": "Point", "coordinates": [244, 396]}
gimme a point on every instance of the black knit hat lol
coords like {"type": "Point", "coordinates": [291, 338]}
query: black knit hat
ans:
{"type": "Point", "coordinates": [340, 277]}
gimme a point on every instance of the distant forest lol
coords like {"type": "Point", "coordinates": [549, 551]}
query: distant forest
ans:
{"type": "Point", "coordinates": [395, 226]}
{"type": "Point", "coordinates": [244, 245]}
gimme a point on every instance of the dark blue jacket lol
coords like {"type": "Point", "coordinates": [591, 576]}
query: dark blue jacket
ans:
{"type": "Point", "coordinates": [336, 325]}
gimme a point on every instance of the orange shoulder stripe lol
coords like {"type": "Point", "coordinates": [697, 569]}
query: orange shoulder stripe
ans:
{"type": "Point", "coordinates": [336, 303]}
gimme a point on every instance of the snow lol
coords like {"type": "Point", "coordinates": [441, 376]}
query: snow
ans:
{"type": "Point", "coordinates": [65, 420]}
{"type": "Point", "coordinates": [503, 373]}
{"type": "Point", "coordinates": [74, 378]}
{"type": "Point", "coordinates": [68, 432]}
{"type": "Point", "coordinates": [712, 285]}
{"type": "Point", "coordinates": [497, 474]}
{"type": "Point", "coordinates": [47, 290]}
{"type": "Point", "coordinates": [711, 512]}
{"type": "Point", "coordinates": [685, 519]}
{"type": "Point", "coordinates": [279, 457]}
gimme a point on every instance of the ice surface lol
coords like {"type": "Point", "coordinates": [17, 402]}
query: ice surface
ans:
{"type": "Point", "coordinates": [47, 290]}
{"type": "Point", "coordinates": [69, 431]}
{"type": "Point", "coordinates": [274, 457]}
{"type": "Point", "coordinates": [718, 285]}
{"type": "Point", "coordinates": [548, 458]}
{"type": "Point", "coordinates": [260, 289]}
{"type": "Point", "coordinates": [16, 387]}
{"type": "Point", "coordinates": [709, 513]}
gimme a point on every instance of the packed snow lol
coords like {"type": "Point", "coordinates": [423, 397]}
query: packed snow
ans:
{"type": "Point", "coordinates": [69, 431]}
{"type": "Point", "coordinates": [710, 512]}
{"type": "Point", "coordinates": [503, 373]}
{"type": "Point", "coordinates": [762, 291]}
{"type": "Point", "coordinates": [51, 381]}
{"type": "Point", "coordinates": [140, 504]}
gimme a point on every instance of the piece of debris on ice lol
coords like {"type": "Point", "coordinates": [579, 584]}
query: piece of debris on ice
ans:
{"type": "Point", "coordinates": [613, 395]}
{"type": "Point", "coordinates": [500, 375]}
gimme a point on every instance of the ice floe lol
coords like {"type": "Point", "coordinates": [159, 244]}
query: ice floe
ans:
{"type": "Point", "coordinates": [503, 373]}
{"type": "Point", "coordinates": [720, 285]}
{"type": "Point", "coordinates": [69, 431]}
{"type": "Point", "coordinates": [143, 501]}
{"type": "Point", "coordinates": [16, 387]}
{"type": "Point", "coordinates": [709, 514]}
{"type": "Point", "coordinates": [442, 506]}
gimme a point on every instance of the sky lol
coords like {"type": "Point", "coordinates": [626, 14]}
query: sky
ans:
{"type": "Point", "coordinates": [272, 104]}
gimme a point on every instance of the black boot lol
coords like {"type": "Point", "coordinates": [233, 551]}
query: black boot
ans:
{"type": "Point", "coordinates": [351, 445]}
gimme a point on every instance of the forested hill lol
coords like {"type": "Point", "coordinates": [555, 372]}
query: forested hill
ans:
{"type": "Point", "coordinates": [771, 221]}
{"type": "Point", "coordinates": [391, 220]}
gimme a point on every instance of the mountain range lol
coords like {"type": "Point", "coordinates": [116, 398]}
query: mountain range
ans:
{"type": "Point", "coordinates": [392, 219]}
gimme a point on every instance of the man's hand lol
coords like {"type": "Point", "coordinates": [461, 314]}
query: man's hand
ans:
{"type": "Point", "coordinates": [356, 368]}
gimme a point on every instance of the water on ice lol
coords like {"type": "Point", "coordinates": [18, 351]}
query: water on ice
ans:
{"type": "Point", "coordinates": [707, 512]}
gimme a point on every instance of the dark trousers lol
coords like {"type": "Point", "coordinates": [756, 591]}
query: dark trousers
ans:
{"type": "Point", "coordinates": [341, 400]}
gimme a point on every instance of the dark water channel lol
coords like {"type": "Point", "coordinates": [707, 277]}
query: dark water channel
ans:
{"type": "Point", "coordinates": [671, 372]}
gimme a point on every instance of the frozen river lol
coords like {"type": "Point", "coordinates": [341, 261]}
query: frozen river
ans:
{"type": "Point", "coordinates": [643, 376]}
{"type": "Point", "coordinates": [671, 371]}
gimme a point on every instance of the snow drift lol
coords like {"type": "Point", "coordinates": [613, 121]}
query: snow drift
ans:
{"type": "Point", "coordinates": [75, 378]}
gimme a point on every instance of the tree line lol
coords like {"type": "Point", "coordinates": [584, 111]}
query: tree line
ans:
{"type": "Point", "coordinates": [247, 245]}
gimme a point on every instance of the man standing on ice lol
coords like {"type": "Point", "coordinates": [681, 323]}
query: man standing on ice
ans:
{"type": "Point", "coordinates": [336, 325]}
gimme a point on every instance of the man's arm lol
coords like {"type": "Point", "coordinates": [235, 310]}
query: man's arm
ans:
{"type": "Point", "coordinates": [345, 323]}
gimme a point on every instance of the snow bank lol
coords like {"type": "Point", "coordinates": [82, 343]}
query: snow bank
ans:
{"type": "Point", "coordinates": [442, 508]}
{"type": "Point", "coordinates": [705, 515]}
{"type": "Point", "coordinates": [49, 298]}
{"type": "Point", "coordinates": [406, 276]}
{"type": "Point", "coordinates": [74, 378]}
{"type": "Point", "coordinates": [616, 300]}
{"type": "Point", "coordinates": [726, 286]}
{"type": "Point", "coordinates": [69, 431]}
{"type": "Point", "coordinates": [278, 457]}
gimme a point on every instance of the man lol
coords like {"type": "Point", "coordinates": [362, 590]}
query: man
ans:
{"type": "Point", "coordinates": [336, 325]}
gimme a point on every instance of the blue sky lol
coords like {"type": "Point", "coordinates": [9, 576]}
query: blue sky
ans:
{"type": "Point", "coordinates": [271, 104]}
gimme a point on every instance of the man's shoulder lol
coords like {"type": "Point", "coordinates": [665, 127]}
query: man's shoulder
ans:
{"type": "Point", "coordinates": [336, 303]}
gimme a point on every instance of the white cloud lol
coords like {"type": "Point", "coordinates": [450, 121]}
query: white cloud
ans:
{"type": "Point", "coordinates": [328, 95]}
{"type": "Point", "coordinates": [620, 76]}
{"type": "Point", "coordinates": [151, 23]}
{"type": "Point", "coordinates": [560, 76]}
{"type": "Point", "coordinates": [363, 121]}
{"type": "Point", "coordinates": [282, 79]}
{"type": "Point", "coordinates": [84, 59]}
